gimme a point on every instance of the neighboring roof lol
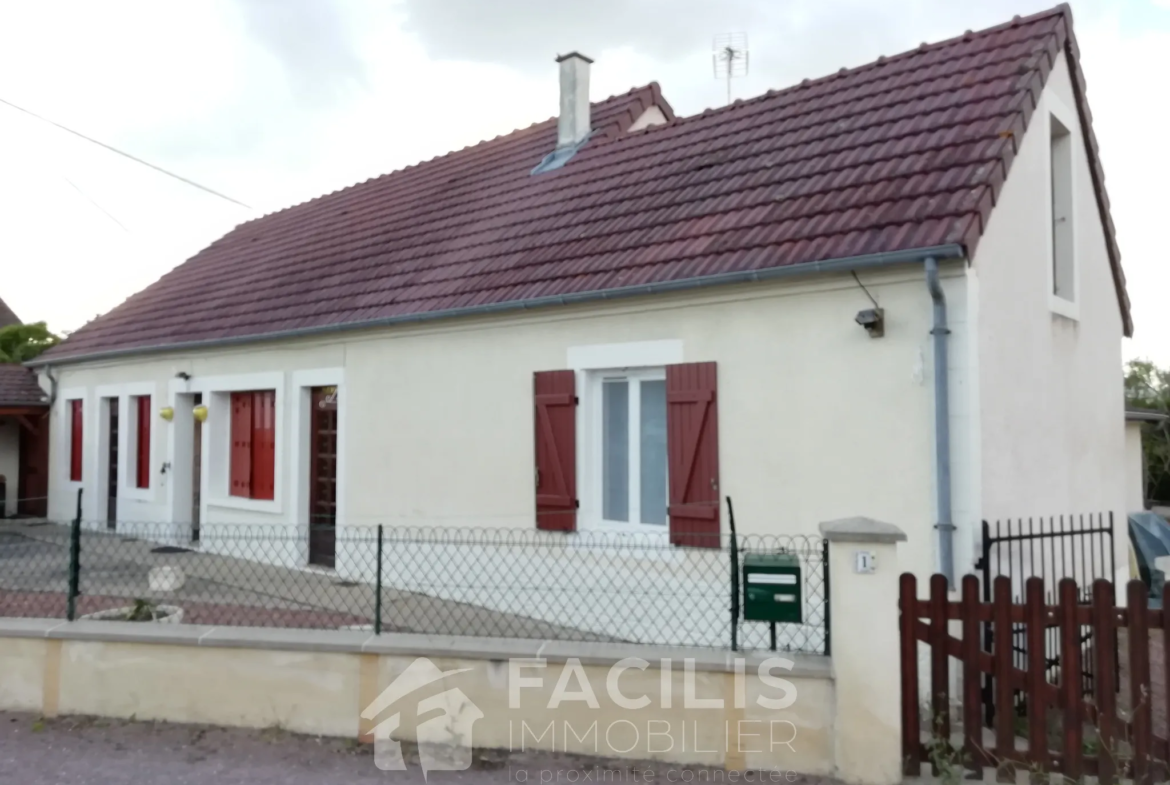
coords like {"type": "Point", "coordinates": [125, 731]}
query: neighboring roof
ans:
{"type": "Point", "coordinates": [7, 316]}
{"type": "Point", "coordinates": [906, 153]}
{"type": "Point", "coordinates": [1135, 414]}
{"type": "Point", "coordinates": [18, 387]}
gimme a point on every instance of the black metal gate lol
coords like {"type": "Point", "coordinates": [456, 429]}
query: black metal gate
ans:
{"type": "Point", "coordinates": [1080, 547]}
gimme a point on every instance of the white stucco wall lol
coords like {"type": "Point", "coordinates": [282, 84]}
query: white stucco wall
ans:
{"type": "Point", "coordinates": [817, 421]}
{"type": "Point", "coordinates": [10, 462]}
{"type": "Point", "coordinates": [1052, 429]}
{"type": "Point", "coordinates": [1135, 485]}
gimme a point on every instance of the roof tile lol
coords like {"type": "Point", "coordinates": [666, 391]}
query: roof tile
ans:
{"type": "Point", "coordinates": [905, 153]}
{"type": "Point", "coordinates": [19, 387]}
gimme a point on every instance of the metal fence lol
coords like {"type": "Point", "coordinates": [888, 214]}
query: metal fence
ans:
{"type": "Point", "coordinates": [515, 583]}
{"type": "Point", "coordinates": [1049, 549]}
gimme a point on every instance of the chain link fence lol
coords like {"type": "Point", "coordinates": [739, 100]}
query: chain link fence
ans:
{"type": "Point", "coordinates": [514, 583]}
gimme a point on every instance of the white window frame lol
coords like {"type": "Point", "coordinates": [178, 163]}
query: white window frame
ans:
{"type": "Point", "coordinates": [217, 438]}
{"type": "Point", "coordinates": [300, 449]}
{"type": "Point", "coordinates": [591, 363]}
{"type": "Point", "coordinates": [128, 438]}
{"type": "Point", "coordinates": [1056, 109]}
{"type": "Point", "coordinates": [594, 398]}
{"type": "Point", "coordinates": [89, 464]}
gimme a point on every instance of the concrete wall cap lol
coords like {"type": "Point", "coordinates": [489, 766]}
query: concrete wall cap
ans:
{"type": "Point", "coordinates": [859, 529]}
{"type": "Point", "coordinates": [403, 644]}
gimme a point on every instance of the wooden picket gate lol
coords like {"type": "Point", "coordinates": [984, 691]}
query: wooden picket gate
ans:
{"type": "Point", "coordinates": [1055, 728]}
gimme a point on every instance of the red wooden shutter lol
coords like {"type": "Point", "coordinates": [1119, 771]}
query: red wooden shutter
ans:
{"type": "Point", "coordinates": [556, 450]}
{"type": "Point", "coordinates": [75, 425]}
{"type": "Point", "coordinates": [143, 452]}
{"type": "Point", "coordinates": [241, 457]}
{"type": "Point", "coordinates": [264, 444]}
{"type": "Point", "coordinates": [692, 444]}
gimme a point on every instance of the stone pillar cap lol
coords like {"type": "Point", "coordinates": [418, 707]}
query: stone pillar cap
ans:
{"type": "Point", "coordinates": [859, 529]}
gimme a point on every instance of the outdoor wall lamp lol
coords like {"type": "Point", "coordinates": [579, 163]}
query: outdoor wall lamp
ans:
{"type": "Point", "coordinates": [873, 320]}
{"type": "Point", "coordinates": [200, 413]}
{"type": "Point", "coordinates": [167, 413]}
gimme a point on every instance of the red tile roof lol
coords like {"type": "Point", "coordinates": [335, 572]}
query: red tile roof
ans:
{"type": "Point", "coordinates": [904, 153]}
{"type": "Point", "coordinates": [18, 387]}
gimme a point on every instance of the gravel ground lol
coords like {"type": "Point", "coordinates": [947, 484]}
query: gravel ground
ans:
{"type": "Point", "coordinates": [85, 750]}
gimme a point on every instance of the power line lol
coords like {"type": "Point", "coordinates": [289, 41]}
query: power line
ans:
{"type": "Point", "coordinates": [91, 200]}
{"type": "Point", "coordinates": [178, 177]}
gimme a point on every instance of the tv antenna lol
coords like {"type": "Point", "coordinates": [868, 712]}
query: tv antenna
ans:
{"type": "Point", "coordinates": [729, 57]}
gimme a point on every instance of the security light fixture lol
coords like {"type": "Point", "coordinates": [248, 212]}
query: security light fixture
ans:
{"type": "Point", "coordinates": [873, 320]}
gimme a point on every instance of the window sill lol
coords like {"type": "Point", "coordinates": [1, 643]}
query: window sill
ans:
{"type": "Point", "coordinates": [240, 503]}
{"type": "Point", "coordinates": [136, 493]}
{"type": "Point", "coordinates": [642, 542]}
{"type": "Point", "coordinates": [1062, 307]}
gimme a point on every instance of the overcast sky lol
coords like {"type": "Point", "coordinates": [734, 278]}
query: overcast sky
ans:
{"type": "Point", "coordinates": [276, 101]}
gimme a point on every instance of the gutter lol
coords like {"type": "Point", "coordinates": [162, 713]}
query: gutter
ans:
{"type": "Point", "coordinates": [942, 423]}
{"type": "Point", "coordinates": [1145, 415]}
{"type": "Point", "coordinates": [843, 265]}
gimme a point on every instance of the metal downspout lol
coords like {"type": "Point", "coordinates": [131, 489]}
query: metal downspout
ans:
{"type": "Point", "coordinates": [52, 385]}
{"type": "Point", "coordinates": [942, 423]}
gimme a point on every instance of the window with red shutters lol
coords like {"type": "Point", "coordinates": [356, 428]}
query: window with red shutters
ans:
{"type": "Point", "coordinates": [264, 444]}
{"type": "Point", "coordinates": [241, 455]}
{"type": "Point", "coordinates": [142, 451]}
{"type": "Point", "coordinates": [253, 436]}
{"type": "Point", "coordinates": [692, 435]}
{"type": "Point", "coordinates": [75, 429]}
{"type": "Point", "coordinates": [556, 450]}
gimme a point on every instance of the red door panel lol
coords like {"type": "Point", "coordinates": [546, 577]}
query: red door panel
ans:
{"type": "Point", "coordinates": [556, 450]}
{"type": "Point", "coordinates": [241, 457]}
{"type": "Point", "coordinates": [692, 443]}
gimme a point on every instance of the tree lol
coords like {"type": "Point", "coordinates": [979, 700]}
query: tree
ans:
{"type": "Point", "coordinates": [1148, 387]}
{"type": "Point", "coordinates": [21, 342]}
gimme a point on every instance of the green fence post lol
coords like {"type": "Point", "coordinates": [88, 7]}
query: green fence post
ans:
{"type": "Point", "coordinates": [74, 561]}
{"type": "Point", "coordinates": [378, 588]}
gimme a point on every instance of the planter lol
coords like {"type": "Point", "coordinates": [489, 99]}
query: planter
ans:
{"type": "Point", "coordinates": [167, 614]}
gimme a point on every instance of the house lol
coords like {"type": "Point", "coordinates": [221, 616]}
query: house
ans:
{"type": "Point", "coordinates": [7, 316]}
{"type": "Point", "coordinates": [893, 291]}
{"type": "Point", "coordinates": [1137, 422]}
{"type": "Point", "coordinates": [24, 431]}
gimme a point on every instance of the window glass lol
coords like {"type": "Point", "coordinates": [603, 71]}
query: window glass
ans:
{"type": "Point", "coordinates": [615, 450]}
{"type": "Point", "coordinates": [1063, 270]}
{"type": "Point", "coordinates": [652, 437]}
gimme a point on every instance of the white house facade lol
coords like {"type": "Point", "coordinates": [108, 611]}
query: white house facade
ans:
{"type": "Point", "coordinates": [805, 392]}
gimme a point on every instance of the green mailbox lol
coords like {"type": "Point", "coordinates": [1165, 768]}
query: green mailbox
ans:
{"type": "Point", "coordinates": [772, 587]}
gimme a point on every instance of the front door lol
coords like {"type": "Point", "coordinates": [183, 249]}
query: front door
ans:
{"type": "Point", "coordinates": [196, 471]}
{"type": "Point", "coordinates": [323, 477]}
{"type": "Point", "coordinates": [112, 463]}
{"type": "Point", "coordinates": [32, 483]}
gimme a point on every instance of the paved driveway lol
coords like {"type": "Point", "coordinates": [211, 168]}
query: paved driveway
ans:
{"type": "Point", "coordinates": [224, 590]}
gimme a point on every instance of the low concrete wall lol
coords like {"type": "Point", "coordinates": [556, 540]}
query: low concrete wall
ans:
{"type": "Point", "coordinates": [792, 713]}
{"type": "Point", "coordinates": [680, 705]}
